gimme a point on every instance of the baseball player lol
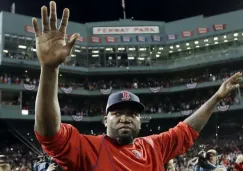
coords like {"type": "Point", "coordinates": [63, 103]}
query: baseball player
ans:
{"type": "Point", "coordinates": [119, 149]}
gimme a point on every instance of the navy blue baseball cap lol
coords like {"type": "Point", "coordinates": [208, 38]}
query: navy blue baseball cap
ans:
{"type": "Point", "coordinates": [126, 98]}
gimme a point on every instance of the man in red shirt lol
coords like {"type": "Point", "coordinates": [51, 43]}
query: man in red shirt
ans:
{"type": "Point", "coordinates": [119, 149]}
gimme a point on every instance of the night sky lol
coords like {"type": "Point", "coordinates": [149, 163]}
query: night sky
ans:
{"type": "Point", "coordinates": [83, 11]}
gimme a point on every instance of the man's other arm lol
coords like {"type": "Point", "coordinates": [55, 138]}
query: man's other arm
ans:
{"type": "Point", "coordinates": [47, 110]}
{"type": "Point", "coordinates": [179, 139]}
{"type": "Point", "coordinates": [198, 119]}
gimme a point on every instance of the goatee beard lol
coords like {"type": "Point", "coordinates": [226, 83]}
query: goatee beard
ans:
{"type": "Point", "coordinates": [125, 140]}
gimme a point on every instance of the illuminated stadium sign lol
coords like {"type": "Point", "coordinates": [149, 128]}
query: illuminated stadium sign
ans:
{"type": "Point", "coordinates": [126, 30]}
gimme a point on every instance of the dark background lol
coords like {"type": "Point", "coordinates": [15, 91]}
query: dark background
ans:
{"type": "Point", "coordinates": [83, 11]}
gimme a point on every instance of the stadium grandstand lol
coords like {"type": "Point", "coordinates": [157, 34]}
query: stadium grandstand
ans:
{"type": "Point", "coordinates": [173, 67]}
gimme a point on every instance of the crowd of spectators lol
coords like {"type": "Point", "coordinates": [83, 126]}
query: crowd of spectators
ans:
{"type": "Point", "coordinates": [123, 82]}
{"type": "Point", "coordinates": [165, 104]}
{"type": "Point", "coordinates": [228, 149]}
{"type": "Point", "coordinates": [155, 104]}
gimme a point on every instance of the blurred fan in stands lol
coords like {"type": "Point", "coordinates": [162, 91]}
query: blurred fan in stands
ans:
{"type": "Point", "coordinates": [4, 165]}
{"type": "Point", "coordinates": [239, 163]}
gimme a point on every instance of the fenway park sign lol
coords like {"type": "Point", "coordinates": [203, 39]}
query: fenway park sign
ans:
{"type": "Point", "coordinates": [126, 30]}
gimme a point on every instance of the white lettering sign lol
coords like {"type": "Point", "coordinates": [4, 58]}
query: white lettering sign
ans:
{"type": "Point", "coordinates": [126, 30]}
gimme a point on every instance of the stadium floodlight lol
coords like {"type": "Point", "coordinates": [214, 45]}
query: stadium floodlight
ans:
{"type": "Point", "coordinates": [235, 34]}
{"type": "Point", "coordinates": [25, 112]}
{"type": "Point", "coordinates": [131, 49]}
{"type": "Point", "coordinates": [76, 50]}
{"type": "Point", "coordinates": [95, 51]}
{"type": "Point", "coordinates": [95, 55]}
{"type": "Point", "coordinates": [196, 42]}
{"type": "Point", "coordinates": [216, 38]}
{"type": "Point", "coordinates": [22, 47]}
{"type": "Point", "coordinates": [142, 49]}
{"type": "Point", "coordinates": [177, 46]}
{"type": "Point", "coordinates": [121, 48]}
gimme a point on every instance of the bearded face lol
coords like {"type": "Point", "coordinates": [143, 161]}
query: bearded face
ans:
{"type": "Point", "coordinates": [123, 125]}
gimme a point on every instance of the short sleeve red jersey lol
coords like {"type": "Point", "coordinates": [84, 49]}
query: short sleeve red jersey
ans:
{"type": "Point", "coordinates": [78, 152]}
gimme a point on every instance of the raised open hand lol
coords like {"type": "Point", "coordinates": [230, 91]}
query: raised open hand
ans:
{"type": "Point", "coordinates": [51, 46]}
{"type": "Point", "coordinates": [231, 84]}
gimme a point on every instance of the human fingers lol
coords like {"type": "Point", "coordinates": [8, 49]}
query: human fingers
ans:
{"type": "Point", "coordinates": [53, 15]}
{"type": "Point", "coordinates": [36, 27]}
{"type": "Point", "coordinates": [45, 22]}
{"type": "Point", "coordinates": [64, 21]}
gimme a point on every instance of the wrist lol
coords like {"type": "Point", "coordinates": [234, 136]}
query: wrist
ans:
{"type": "Point", "coordinates": [49, 69]}
{"type": "Point", "coordinates": [217, 97]}
{"type": "Point", "coordinates": [49, 75]}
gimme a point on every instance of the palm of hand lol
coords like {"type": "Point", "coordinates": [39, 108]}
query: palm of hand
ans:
{"type": "Point", "coordinates": [224, 90]}
{"type": "Point", "coordinates": [231, 84]}
{"type": "Point", "coordinates": [50, 48]}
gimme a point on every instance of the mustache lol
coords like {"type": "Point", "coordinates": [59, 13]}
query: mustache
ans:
{"type": "Point", "coordinates": [126, 125]}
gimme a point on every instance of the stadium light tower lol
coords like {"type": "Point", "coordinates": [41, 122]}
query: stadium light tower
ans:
{"type": "Point", "coordinates": [13, 8]}
{"type": "Point", "coordinates": [124, 9]}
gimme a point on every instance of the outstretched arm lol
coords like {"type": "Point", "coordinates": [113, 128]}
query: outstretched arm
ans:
{"type": "Point", "coordinates": [198, 119]}
{"type": "Point", "coordinates": [52, 50]}
{"type": "Point", "coordinates": [47, 110]}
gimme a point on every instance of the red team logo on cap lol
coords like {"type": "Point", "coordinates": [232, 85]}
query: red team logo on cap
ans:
{"type": "Point", "coordinates": [125, 95]}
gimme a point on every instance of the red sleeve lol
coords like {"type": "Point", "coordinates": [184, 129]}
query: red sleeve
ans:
{"type": "Point", "coordinates": [176, 141]}
{"type": "Point", "coordinates": [59, 146]}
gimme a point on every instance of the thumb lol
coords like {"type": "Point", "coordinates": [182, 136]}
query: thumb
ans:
{"type": "Point", "coordinates": [72, 42]}
{"type": "Point", "coordinates": [235, 86]}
